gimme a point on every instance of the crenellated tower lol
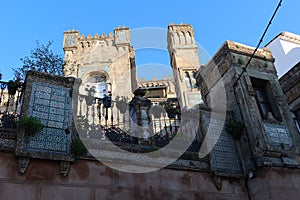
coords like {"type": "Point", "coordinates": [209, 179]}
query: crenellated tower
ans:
{"type": "Point", "coordinates": [105, 61]}
{"type": "Point", "coordinates": [185, 62]}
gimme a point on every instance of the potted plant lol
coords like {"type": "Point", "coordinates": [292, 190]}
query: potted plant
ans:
{"type": "Point", "coordinates": [9, 120]}
{"type": "Point", "coordinates": [171, 108]}
{"type": "Point", "coordinates": [31, 125]}
{"type": "Point", "coordinates": [14, 85]}
{"type": "Point", "coordinates": [89, 98]}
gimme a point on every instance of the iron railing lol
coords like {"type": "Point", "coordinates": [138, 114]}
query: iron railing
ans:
{"type": "Point", "coordinates": [97, 120]}
{"type": "Point", "coordinates": [9, 105]}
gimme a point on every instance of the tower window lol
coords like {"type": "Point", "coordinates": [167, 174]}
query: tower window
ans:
{"type": "Point", "coordinates": [187, 80]}
{"type": "Point", "coordinates": [262, 100]}
{"type": "Point", "coordinates": [265, 99]}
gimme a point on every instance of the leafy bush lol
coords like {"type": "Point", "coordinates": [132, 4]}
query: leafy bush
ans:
{"type": "Point", "coordinates": [234, 128]}
{"type": "Point", "coordinates": [78, 148]}
{"type": "Point", "coordinates": [31, 125]}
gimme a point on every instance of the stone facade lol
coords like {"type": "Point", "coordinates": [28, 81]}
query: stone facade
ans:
{"type": "Point", "coordinates": [106, 61]}
{"type": "Point", "coordinates": [185, 62]}
{"type": "Point", "coordinates": [92, 180]}
{"type": "Point", "coordinates": [261, 162]}
{"type": "Point", "coordinates": [158, 90]}
{"type": "Point", "coordinates": [290, 83]}
{"type": "Point", "coordinates": [254, 97]}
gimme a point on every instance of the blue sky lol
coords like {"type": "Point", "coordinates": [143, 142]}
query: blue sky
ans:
{"type": "Point", "coordinates": [214, 21]}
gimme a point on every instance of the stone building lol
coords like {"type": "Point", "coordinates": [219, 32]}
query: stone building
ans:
{"type": "Point", "coordinates": [285, 48]}
{"type": "Point", "coordinates": [245, 144]}
{"type": "Point", "coordinates": [106, 62]}
{"type": "Point", "coordinates": [255, 97]}
{"type": "Point", "coordinates": [185, 62]}
{"type": "Point", "coordinates": [158, 90]}
{"type": "Point", "coordinates": [290, 83]}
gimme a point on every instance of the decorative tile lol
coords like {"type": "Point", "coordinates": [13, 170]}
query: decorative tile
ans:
{"type": "Point", "coordinates": [277, 134]}
{"type": "Point", "coordinates": [224, 155]}
{"type": "Point", "coordinates": [52, 105]}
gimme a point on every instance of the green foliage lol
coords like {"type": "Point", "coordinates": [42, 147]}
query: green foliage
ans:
{"type": "Point", "coordinates": [240, 61]}
{"type": "Point", "coordinates": [170, 106]}
{"type": "Point", "coordinates": [78, 148]}
{"type": "Point", "coordinates": [40, 59]}
{"type": "Point", "coordinates": [14, 85]}
{"type": "Point", "coordinates": [31, 125]}
{"type": "Point", "coordinates": [234, 128]}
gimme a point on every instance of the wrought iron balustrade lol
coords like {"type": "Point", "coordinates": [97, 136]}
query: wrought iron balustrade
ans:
{"type": "Point", "coordinates": [100, 118]}
{"type": "Point", "coordinates": [10, 105]}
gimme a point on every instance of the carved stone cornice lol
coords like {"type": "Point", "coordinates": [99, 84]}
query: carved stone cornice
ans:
{"type": "Point", "coordinates": [235, 47]}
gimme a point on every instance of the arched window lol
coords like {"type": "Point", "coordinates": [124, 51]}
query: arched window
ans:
{"type": "Point", "coordinates": [194, 81]}
{"type": "Point", "coordinates": [187, 80]}
{"type": "Point", "coordinates": [98, 82]}
{"type": "Point", "coordinates": [189, 38]}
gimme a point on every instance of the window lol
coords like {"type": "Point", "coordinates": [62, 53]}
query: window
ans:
{"type": "Point", "coordinates": [265, 100]}
{"type": "Point", "coordinates": [187, 80]}
{"type": "Point", "coordinates": [262, 100]}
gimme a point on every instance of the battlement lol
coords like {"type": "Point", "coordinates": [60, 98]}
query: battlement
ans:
{"type": "Point", "coordinates": [73, 39]}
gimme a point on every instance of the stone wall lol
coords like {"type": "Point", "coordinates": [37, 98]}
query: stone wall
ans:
{"type": "Point", "coordinates": [275, 183]}
{"type": "Point", "coordinates": [93, 180]}
{"type": "Point", "coordinates": [290, 83]}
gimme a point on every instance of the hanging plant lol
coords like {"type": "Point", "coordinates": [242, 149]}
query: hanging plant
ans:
{"type": "Point", "coordinates": [31, 125]}
{"type": "Point", "coordinates": [171, 108]}
{"type": "Point", "coordinates": [240, 61]}
{"type": "Point", "coordinates": [234, 128]}
{"type": "Point", "coordinates": [14, 85]}
{"type": "Point", "coordinates": [78, 148]}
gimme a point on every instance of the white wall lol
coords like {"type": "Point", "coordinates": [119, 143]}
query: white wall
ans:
{"type": "Point", "coordinates": [286, 54]}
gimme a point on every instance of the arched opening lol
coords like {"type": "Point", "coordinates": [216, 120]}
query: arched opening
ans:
{"type": "Point", "coordinates": [97, 82]}
{"type": "Point", "coordinates": [187, 80]}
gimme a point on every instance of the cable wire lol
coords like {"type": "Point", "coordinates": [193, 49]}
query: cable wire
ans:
{"type": "Point", "coordinates": [260, 41]}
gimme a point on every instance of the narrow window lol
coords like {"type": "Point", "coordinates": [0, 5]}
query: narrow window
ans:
{"type": "Point", "coordinates": [266, 104]}
{"type": "Point", "coordinates": [187, 80]}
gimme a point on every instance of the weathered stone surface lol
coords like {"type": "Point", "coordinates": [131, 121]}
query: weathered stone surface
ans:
{"type": "Point", "coordinates": [93, 180]}
{"type": "Point", "coordinates": [16, 191]}
{"type": "Point", "coordinates": [275, 183]}
{"type": "Point", "coordinates": [92, 172]}
{"type": "Point", "coordinates": [65, 192]}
